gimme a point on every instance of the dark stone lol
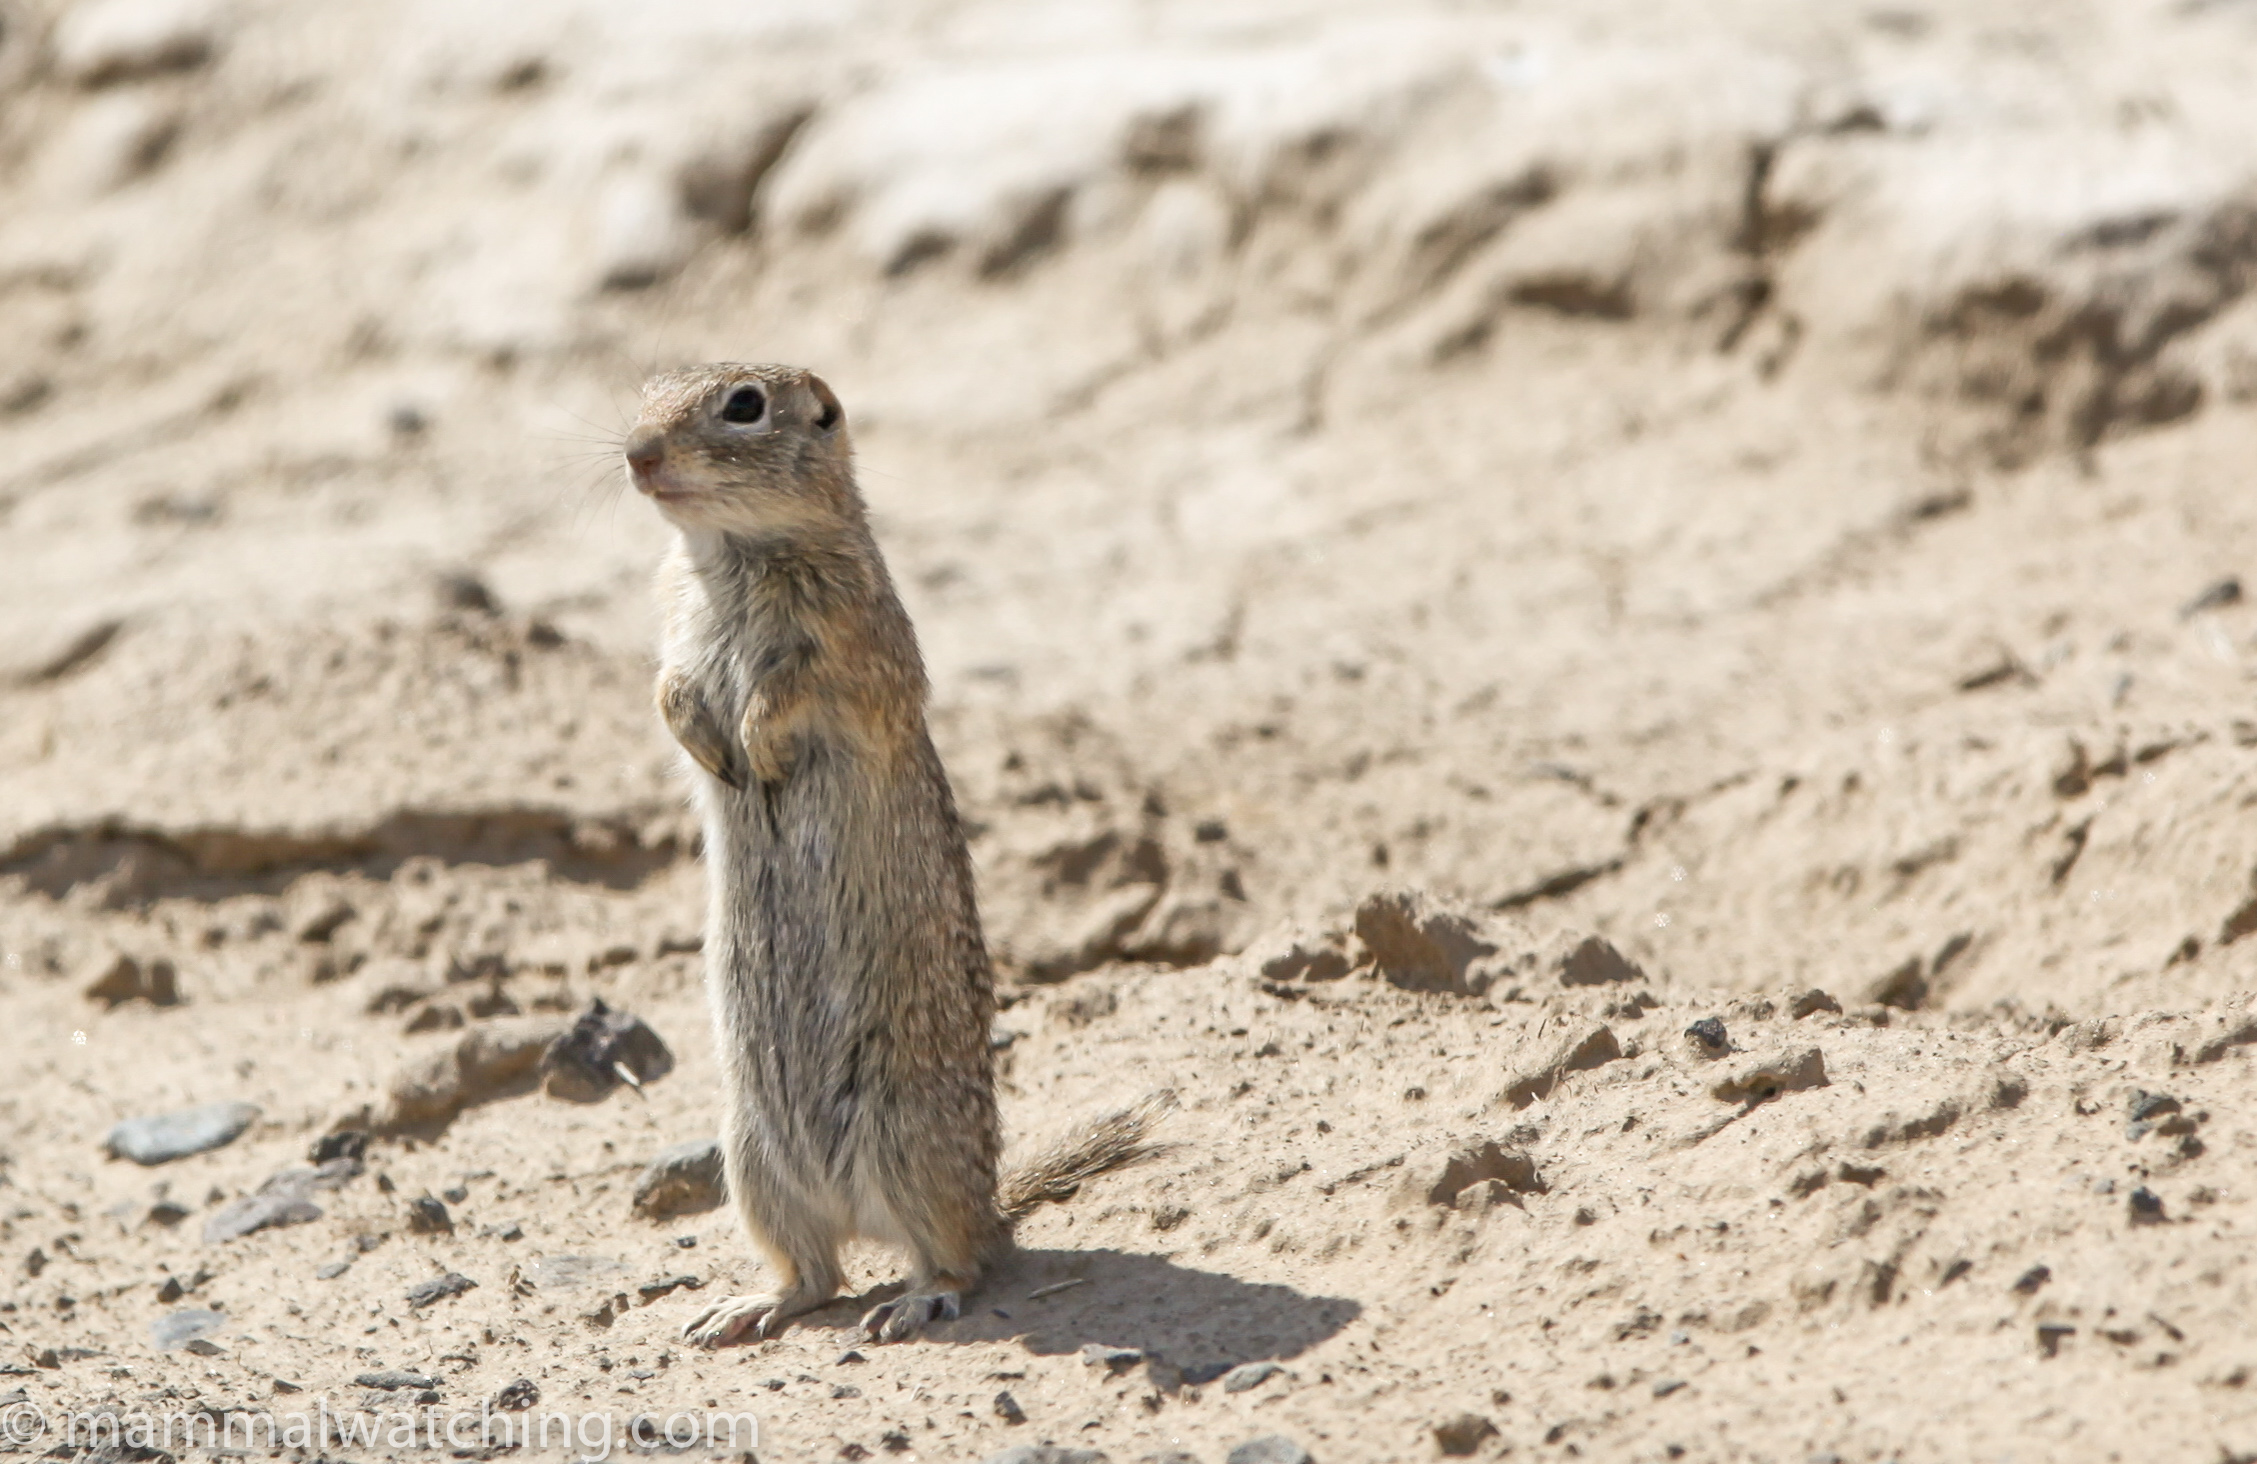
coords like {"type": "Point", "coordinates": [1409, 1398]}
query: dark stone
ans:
{"type": "Point", "coordinates": [1112, 1359]}
{"type": "Point", "coordinates": [583, 1065]}
{"type": "Point", "coordinates": [1464, 1434]}
{"type": "Point", "coordinates": [682, 1180]}
{"type": "Point", "coordinates": [392, 1382]}
{"type": "Point", "coordinates": [176, 1329]}
{"type": "Point", "coordinates": [1709, 1037]}
{"type": "Point", "coordinates": [163, 1137]}
{"type": "Point", "coordinates": [1007, 1408]}
{"type": "Point", "coordinates": [427, 1216]}
{"type": "Point", "coordinates": [2029, 1281]}
{"type": "Point", "coordinates": [518, 1396]}
{"type": "Point", "coordinates": [667, 1286]}
{"type": "Point", "coordinates": [845, 1390]}
{"type": "Point", "coordinates": [439, 1288]}
{"type": "Point", "coordinates": [2146, 1207]}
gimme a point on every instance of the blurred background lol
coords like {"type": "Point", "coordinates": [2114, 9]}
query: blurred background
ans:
{"type": "Point", "coordinates": [1764, 482]}
{"type": "Point", "coordinates": [1496, 447]}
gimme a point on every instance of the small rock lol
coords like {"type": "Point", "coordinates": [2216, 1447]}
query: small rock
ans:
{"type": "Point", "coordinates": [167, 1213]}
{"type": "Point", "coordinates": [1414, 943]}
{"type": "Point", "coordinates": [518, 1396]}
{"type": "Point", "coordinates": [125, 978]}
{"type": "Point", "coordinates": [1587, 960]}
{"type": "Point", "coordinates": [1298, 953]}
{"type": "Point", "coordinates": [845, 1390]}
{"type": "Point", "coordinates": [428, 1216]}
{"type": "Point", "coordinates": [1007, 1408]}
{"type": "Point", "coordinates": [101, 41]}
{"type": "Point", "coordinates": [461, 589]}
{"type": "Point", "coordinates": [203, 1347]}
{"type": "Point", "coordinates": [332, 1270]}
{"type": "Point", "coordinates": [1112, 1359]}
{"type": "Point", "coordinates": [491, 1060]}
{"type": "Point", "coordinates": [651, 1291]}
{"type": "Point", "coordinates": [1663, 1387]}
{"type": "Point", "coordinates": [392, 1382]}
{"type": "Point", "coordinates": [1708, 1038]}
{"type": "Point", "coordinates": [1249, 1375]}
{"type": "Point", "coordinates": [682, 1180]}
{"type": "Point", "coordinates": [1766, 1077]}
{"type": "Point", "coordinates": [1464, 1434]}
{"type": "Point", "coordinates": [850, 1355]}
{"type": "Point", "coordinates": [326, 920]}
{"type": "Point", "coordinates": [582, 1066]}
{"type": "Point", "coordinates": [347, 1144]}
{"type": "Point", "coordinates": [2217, 596]}
{"type": "Point", "coordinates": [282, 1200]}
{"type": "Point", "coordinates": [1269, 1449]}
{"type": "Point", "coordinates": [1809, 1002]}
{"type": "Point", "coordinates": [1046, 1454]}
{"type": "Point", "coordinates": [1487, 1163]}
{"type": "Point", "coordinates": [2029, 1281]}
{"type": "Point", "coordinates": [686, 1242]}
{"type": "Point", "coordinates": [1575, 1045]}
{"type": "Point", "coordinates": [161, 1138]}
{"type": "Point", "coordinates": [177, 1329]}
{"type": "Point", "coordinates": [439, 1288]}
{"type": "Point", "coordinates": [2146, 1207]}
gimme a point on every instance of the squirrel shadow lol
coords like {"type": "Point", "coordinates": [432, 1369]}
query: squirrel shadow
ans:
{"type": "Point", "coordinates": [1199, 1323]}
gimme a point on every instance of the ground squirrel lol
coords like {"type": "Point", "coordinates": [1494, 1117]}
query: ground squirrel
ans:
{"type": "Point", "coordinates": [849, 982]}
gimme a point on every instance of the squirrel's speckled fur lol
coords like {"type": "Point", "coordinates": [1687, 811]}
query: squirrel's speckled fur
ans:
{"type": "Point", "coordinates": [850, 985]}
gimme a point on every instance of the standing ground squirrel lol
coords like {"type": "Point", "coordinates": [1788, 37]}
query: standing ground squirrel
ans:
{"type": "Point", "coordinates": [849, 982]}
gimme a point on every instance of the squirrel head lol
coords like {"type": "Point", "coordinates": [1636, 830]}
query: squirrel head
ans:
{"type": "Point", "coordinates": [750, 450]}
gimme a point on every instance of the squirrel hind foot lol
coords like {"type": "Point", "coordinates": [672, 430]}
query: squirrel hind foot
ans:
{"type": "Point", "coordinates": [908, 1314]}
{"type": "Point", "coordinates": [749, 1318]}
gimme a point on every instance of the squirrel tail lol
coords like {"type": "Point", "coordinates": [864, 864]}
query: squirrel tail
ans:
{"type": "Point", "coordinates": [1083, 1153]}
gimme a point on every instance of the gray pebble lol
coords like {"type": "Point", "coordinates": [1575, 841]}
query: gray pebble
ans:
{"type": "Point", "coordinates": [1112, 1359]}
{"type": "Point", "coordinates": [392, 1382]}
{"type": "Point", "coordinates": [177, 1328]}
{"type": "Point", "coordinates": [1007, 1408]}
{"type": "Point", "coordinates": [332, 1271]}
{"type": "Point", "coordinates": [1249, 1375]}
{"type": "Point", "coordinates": [1269, 1449]}
{"type": "Point", "coordinates": [257, 1212]}
{"type": "Point", "coordinates": [681, 1180]}
{"type": "Point", "coordinates": [845, 1390]}
{"type": "Point", "coordinates": [439, 1288]}
{"type": "Point", "coordinates": [162, 1137]}
{"type": "Point", "coordinates": [1045, 1454]}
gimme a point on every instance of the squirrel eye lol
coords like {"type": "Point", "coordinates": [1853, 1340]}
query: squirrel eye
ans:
{"type": "Point", "coordinates": [745, 404]}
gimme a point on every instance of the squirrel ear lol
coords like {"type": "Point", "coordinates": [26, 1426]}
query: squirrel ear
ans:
{"type": "Point", "coordinates": [828, 419]}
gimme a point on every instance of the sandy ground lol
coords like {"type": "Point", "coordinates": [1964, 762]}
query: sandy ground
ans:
{"type": "Point", "coordinates": [1761, 484]}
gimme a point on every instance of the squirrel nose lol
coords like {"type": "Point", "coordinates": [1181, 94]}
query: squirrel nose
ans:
{"type": "Point", "coordinates": [645, 451]}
